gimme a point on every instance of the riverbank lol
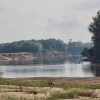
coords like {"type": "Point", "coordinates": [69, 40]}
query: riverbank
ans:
{"type": "Point", "coordinates": [24, 58]}
{"type": "Point", "coordinates": [50, 88]}
{"type": "Point", "coordinates": [89, 80]}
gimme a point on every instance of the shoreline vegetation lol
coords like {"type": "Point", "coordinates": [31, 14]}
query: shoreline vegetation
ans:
{"type": "Point", "coordinates": [93, 54]}
{"type": "Point", "coordinates": [33, 52]}
{"type": "Point", "coordinates": [49, 51]}
{"type": "Point", "coordinates": [49, 88]}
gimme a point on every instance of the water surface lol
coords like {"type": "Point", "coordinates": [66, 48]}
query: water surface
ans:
{"type": "Point", "coordinates": [55, 70]}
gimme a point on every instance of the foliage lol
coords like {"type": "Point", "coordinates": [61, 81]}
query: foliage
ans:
{"type": "Point", "coordinates": [89, 53]}
{"type": "Point", "coordinates": [94, 53]}
{"type": "Point", "coordinates": [94, 28]}
{"type": "Point", "coordinates": [34, 46]}
{"type": "Point", "coordinates": [85, 52]}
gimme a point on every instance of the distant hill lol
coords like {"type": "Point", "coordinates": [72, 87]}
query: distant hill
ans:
{"type": "Point", "coordinates": [33, 46]}
{"type": "Point", "coordinates": [44, 46]}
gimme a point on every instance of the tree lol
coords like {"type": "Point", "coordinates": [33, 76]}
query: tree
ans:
{"type": "Point", "coordinates": [85, 52]}
{"type": "Point", "coordinates": [94, 28]}
{"type": "Point", "coordinates": [34, 46]}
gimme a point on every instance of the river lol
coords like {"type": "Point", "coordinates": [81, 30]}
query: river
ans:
{"type": "Point", "coordinates": [68, 69]}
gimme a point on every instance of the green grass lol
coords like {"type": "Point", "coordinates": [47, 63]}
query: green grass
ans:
{"type": "Point", "coordinates": [44, 83]}
{"type": "Point", "coordinates": [67, 86]}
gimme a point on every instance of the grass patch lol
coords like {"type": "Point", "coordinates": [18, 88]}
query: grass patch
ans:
{"type": "Point", "coordinates": [2, 97]}
{"type": "Point", "coordinates": [70, 94]}
{"type": "Point", "coordinates": [45, 83]}
{"type": "Point", "coordinates": [87, 86]}
{"type": "Point", "coordinates": [36, 87]}
{"type": "Point", "coordinates": [63, 95]}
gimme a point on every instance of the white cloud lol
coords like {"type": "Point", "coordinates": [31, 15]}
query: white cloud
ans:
{"type": "Point", "coordinates": [37, 19]}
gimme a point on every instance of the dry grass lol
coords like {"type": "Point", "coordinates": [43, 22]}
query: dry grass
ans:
{"type": "Point", "coordinates": [41, 90]}
{"type": "Point", "coordinates": [70, 94]}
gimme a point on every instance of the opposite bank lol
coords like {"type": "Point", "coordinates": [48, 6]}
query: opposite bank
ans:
{"type": "Point", "coordinates": [30, 58]}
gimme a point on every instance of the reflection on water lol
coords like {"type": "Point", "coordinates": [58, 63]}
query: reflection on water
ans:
{"type": "Point", "coordinates": [58, 70]}
{"type": "Point", "coordinates": [95, 69]}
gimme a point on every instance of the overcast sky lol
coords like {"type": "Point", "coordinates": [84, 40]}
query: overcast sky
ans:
{"type": "Point", "coordinates": [36, 19]}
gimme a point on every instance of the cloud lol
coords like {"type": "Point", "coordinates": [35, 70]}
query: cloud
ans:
{"type": "Point", "coordinates": [62, 26]}
{"type": "Point", "coordinates": [46, 19]}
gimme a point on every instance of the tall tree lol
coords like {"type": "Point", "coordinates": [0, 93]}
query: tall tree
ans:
{"type": "Point", "coordinates": [94, 28]}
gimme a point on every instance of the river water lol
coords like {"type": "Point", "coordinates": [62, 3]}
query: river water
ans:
{"type": "Point", "coordinates": [84, 69]}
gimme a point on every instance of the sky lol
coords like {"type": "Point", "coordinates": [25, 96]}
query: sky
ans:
{"type": "Point", "coordinates": [43, 19]}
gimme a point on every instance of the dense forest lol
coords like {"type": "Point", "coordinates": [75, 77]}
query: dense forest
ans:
{"type": "Point", "coordinates": [34, 46]}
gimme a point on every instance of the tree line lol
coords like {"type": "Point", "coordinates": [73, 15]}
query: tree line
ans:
{"type": "Point", "coordinates": [34, 46]}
